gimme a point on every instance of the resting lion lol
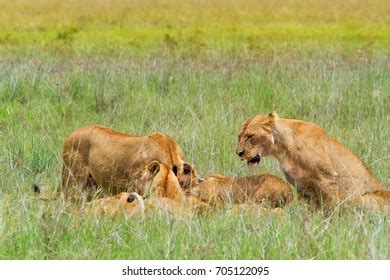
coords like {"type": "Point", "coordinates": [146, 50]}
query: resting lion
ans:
{"type": "Point", "coordinates": [268, 190]}
{"type": "Point", "coordinates": [97, 157]}
{"type": "Point", "coordinates": [162, 192]}
{"type": "Point", "coordinates": [323, 170]}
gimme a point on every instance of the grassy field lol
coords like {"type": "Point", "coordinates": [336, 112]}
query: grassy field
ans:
{"type": "Point", "coordinates": [195, 70]}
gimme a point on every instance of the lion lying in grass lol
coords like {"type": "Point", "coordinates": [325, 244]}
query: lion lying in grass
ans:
{"type": "Point", "coordinates": [162, 193]}
{"type": "Point", "coordinates": [323, 170]}
{"type": "Point", "coordinates": [267, 190]}
{"type": "Point", "coordinates": [129, 204]}
{"type": "Point", "coordinates": [377, 200]}
{"type": "Point", "coordinates": [99, 158]}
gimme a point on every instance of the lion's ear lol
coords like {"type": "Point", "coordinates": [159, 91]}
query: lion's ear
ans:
{"type": "Point", "coordinates": [269, 121]}
{"type": "Point", "coordinates": [187, 168]}
{"type": "Point", "coordinates": [273, 115]}
{"type": "Point", "coordinates": [153, 167]}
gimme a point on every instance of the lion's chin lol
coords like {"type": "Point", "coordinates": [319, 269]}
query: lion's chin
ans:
{"type": "Point", "coordinates": [252, 165]}
{"type": "Point", "coordinates": [254, 161]}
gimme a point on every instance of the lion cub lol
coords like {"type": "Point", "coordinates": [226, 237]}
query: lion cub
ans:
{"type": "Point", "coordinates": [129, 204]}
{"type": "Point", "coordinates": [268, 190]}
{"type": "Point", "coordinates": [162, 192]}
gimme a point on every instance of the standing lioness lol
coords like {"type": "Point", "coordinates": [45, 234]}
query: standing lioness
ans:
{"type": "Point", "coordinates": [324, 170]}
{"type": "Point", "coordinates": [97, 156]}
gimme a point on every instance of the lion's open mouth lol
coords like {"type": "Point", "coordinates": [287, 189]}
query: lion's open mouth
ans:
{"type": "Point", "coordinates": [254, 161]}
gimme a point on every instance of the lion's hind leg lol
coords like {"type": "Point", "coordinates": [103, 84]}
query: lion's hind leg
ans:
{"type": "Point", "coordinates": [77, 181]}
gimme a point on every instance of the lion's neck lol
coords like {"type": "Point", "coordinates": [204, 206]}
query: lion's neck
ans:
{"type": "Point", "coordinates": [283, 134]}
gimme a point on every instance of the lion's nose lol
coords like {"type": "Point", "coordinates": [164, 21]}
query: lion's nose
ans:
{"type": "Point", "coordinates": [240, 153]}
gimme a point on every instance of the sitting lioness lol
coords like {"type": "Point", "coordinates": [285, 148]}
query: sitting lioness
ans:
{"type": "Point", "coordinates": [97, 157]}
{"type": "Point", "coordinates": [161, 192]}
{"type": "Point", "coordinates": [268, 190]}
{"type": "Point", "coordinates": [323, 170]}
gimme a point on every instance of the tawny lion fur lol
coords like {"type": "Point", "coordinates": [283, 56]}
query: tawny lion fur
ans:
{"type": "Point", "coordinates": [97, 157]}
{"type": "Point", "coordinates": [268, 190]}
{"type": "Point", "coordinates": [162, 192]}
{"type": "Point", "coordinates": [323, 170]}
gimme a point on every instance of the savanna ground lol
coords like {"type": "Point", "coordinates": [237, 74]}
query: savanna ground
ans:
{"type": "Point", "coordinates": [195, 70]}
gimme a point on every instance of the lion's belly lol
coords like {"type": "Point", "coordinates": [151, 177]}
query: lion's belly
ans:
{"type": "Point", "coordinates": [111, 180]}
{"type": "Point", "coordinates": [113, 173]}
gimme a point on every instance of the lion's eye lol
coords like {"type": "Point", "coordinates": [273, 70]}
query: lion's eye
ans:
{"type": "Point", "coordinates": [250, 136]}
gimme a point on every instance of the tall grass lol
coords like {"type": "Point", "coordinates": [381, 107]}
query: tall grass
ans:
{"type": "Point", "coordinates": [200, 101]}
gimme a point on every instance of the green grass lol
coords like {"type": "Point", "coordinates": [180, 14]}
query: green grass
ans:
{"type": "Point", "coordinates": [193, 25]}
{"type": "Point", "coordinates": [301, 235]}
{"type": "Point", "coordinates": [196, 76]}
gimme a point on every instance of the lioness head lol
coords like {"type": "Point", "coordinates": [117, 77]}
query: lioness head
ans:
{"type": "Point", "coordinates": [159, 180]}
{"type": "Point", "coordinates": [124, 202]}
{"type": "Point", "coordinates": [255, 139]}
